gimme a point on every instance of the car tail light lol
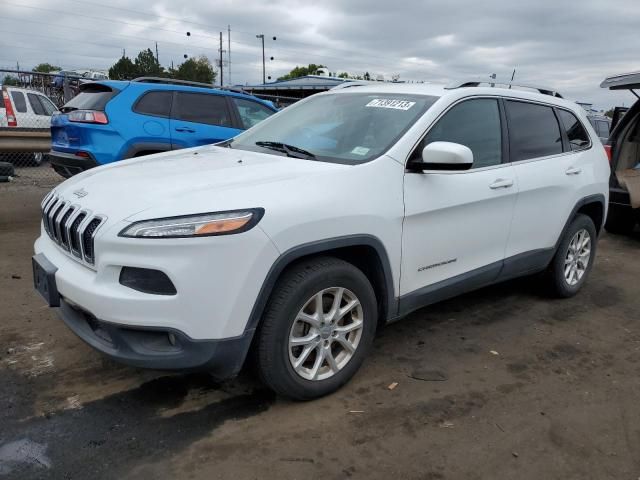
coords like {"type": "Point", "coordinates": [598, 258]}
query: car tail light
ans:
{"type": "Point", "coordinates": [11, 117]}
{"type": "Point", "coordinates": [607, 150]}
{"type": "Point", "coordinates": [88, 116]}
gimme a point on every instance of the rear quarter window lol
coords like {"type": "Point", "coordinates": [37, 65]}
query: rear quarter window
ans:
{"type": "Point", "coordinates": [576, 133]}
{"type": "Point", "coordinates": [155, 103]}
{"type": "Point", "coordinates": [533, 131]}
{"type": "Point", "coordinates": [19, 102]}
{"type": "Point", "coordinates": [36, 106]}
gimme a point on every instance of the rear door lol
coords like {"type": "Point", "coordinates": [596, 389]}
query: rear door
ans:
{"type": "Point", "coordinates": [200, 119]}
{"type": "Point", "coordinates": [40, 118]}
{"type": "Point", "coordinates": [549, 152]}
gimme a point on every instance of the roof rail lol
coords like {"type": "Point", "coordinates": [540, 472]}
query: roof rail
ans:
{"type": "Point", "coordinates": [348, 84]}
{"type": "Point", "coordinates": [493, 83]}
{"type": "Point", "coordinates": [172, 81]}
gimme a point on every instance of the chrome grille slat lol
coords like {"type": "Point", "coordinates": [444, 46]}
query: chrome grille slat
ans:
{"type": "Point", "coordinates": [57, 217]}
{"type": "Point", "coordinates": [71, 227]}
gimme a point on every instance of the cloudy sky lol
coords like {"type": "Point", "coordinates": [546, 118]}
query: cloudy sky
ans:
{"type": "Point", "coordinates": [568, 45]}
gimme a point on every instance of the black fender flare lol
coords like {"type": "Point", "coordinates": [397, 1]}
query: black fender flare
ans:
{"type": "Point", "coordinates": [142, 146]}
{"type": "Point", "coordinates": [318, 247]}
{"type": "Point", "coordinates": [596, 198]}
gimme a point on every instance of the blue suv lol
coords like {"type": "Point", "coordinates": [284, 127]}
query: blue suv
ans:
{"type": "Point", "coordinates": [113, 120]}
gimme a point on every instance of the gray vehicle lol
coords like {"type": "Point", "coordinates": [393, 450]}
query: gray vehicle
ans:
{"type": "Point", "coordinates": [602, 125]}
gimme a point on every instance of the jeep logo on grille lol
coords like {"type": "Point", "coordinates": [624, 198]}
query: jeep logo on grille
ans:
{"type": "Point", "coordinates": [81, 193]}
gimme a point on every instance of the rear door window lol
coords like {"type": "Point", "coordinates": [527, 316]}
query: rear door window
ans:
{"type": "Point", "coordinates": [204, 108]}
{"type": "Point", "coordinates": [157, 103]}
{"type": "Point", "coordinates": [251, 113]}
{"type": "Point", "coordinates": [36, 106]}
{"type": "Point", "coordinates": [577, 135]}
{"type": "Point", "coordinates": [533, 131]}
{"type": "Point", "coordinates": [19, 102]}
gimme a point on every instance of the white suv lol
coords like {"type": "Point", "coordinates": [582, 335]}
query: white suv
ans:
{"type": "Point", "coordinates": [302, 235]}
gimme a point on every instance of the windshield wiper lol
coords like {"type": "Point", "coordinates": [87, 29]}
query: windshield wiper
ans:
{"type": "Point", "coordinates": [289, 150]}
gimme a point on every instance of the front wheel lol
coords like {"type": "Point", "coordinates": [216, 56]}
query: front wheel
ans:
{"type": "Point", "coordinates": [317, 329]}
{"type": "Point", "coordinates": [574, 258]}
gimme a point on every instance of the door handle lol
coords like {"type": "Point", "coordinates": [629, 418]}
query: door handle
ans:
{"type": "Point", "coordinates": [501, 183]}
{"type": "Point", "coordinates": [185, 129]}
{"type": "Point", "coordinates": [573, 171]}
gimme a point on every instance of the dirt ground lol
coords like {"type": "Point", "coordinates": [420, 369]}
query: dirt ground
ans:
{"type": "Point", "coordinates": [514, 385]}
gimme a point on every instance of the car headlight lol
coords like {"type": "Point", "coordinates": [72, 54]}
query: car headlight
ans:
{"type": "Point", "coordinates": [200, 225]}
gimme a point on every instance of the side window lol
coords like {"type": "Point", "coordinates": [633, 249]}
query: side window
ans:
{"type": "Point", "coordinates": [251, 112]}
{"type": "Point", "coordinates": [49, 107]}
{"type": "Point", "coordinates": [156, 103]}
{"type": "Point", "coordinates": [36, 106]}
{"type": "Point", "coordinates": [533, 131]}
{"type": "Point", "coordinates": [203, 108]}
{"type": "Point", "coordinates": [603, 128]}
{"type": "Point", "coordinates": [19, 102]}
{"type": "Point", "coordinates": [578, 137]}
{"type": "Point", "coordinates": [475, 124]}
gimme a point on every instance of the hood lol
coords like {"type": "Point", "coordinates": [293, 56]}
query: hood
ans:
{"type": "Point", "coordinates": [197, 180]}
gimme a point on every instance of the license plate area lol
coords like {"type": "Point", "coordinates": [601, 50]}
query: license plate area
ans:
{"type": "Point", "coordinates": [44, 279]}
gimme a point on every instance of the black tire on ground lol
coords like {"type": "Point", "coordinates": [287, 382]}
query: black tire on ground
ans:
{"type": "Point", "coordinates": [6, 169]}
{"type": "Point", "coordinates": [620, 221]}
{"type": "Point", "coordinates": [558, 284]}
{"type": "Point", "coordinates": [294, 288]}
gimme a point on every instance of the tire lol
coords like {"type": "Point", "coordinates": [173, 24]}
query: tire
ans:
{"type": "Point", "coordinates": [620, 221]}
{"type": "Point", "coordinates": [37, 158]}
{"type": "Point", "coordinates": [565, 284]}
{"type": "Point", "coordinates": [294, 291]}
{"type": "Point", "coordinates": [7, 170]}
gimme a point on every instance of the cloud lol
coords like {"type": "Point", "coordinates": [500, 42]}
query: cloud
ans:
{"type": "Point", "coordinates": [567, 46]}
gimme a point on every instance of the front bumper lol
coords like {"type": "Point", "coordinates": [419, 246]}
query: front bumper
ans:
{"type": "Point", "coordinates": [162, 349]}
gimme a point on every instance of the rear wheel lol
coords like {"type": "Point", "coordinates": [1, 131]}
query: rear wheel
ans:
{"type": "Point", "coordinates": [620, 221]}
{"type": "Point", "coordinates": [574, 258]}
{"type": "Point", "coordinates": [317, 329]}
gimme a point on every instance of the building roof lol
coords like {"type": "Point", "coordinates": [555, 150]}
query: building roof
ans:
{"type": "Point", "coordinates": [308, 82]}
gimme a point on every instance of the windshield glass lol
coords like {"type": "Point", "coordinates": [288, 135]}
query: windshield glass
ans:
{"type": "Point", "coordinates": [345, 127]}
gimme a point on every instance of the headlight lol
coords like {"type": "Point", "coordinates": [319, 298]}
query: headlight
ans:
{"type": "Point", "coordinates": [201, 225]}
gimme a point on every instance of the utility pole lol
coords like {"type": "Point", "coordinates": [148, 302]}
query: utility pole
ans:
{"type": "Point", "coordinates": [157, 57]}
{"type": "Point", "coordinates": [264, 78]}
{"type": "Point", "coordinates": [229, 53]}
{"type": "Point", "coordinates": [221, 69]}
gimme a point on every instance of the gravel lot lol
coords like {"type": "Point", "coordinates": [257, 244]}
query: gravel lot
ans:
{"type": "Point", "coordinates": [508, 384]}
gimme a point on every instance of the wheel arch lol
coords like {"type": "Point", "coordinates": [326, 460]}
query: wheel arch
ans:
{"type": "Point", "coordinates": [137, 148]}
{"type": "Point", "coordinates": [594, 206]}
{"type": "Point", "coordinates": [366, 252]}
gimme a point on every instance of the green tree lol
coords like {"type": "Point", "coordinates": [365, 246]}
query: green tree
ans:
{"type": "Point", "coordinates": [45, 68]}
{"type": "Point", "coordinates": [609, 113]}
{"type": "Point", "coordinates": [343, 75]}
{"type": "Point", "coordinates": [10, 80]}
{"type": "Point", "coordinates": [366, 76]}
{"type": "Point", "coordinates": [147, 65]}
{"type": "Point", "coordinates": [310, 69]}
{"type": "Point", "coordinates": [123, 69]}
{"type": "Point", "coordinates": [196, 70]}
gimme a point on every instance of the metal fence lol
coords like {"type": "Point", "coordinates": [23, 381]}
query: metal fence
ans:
{"type": "Point", "coordinates": [28, 100]}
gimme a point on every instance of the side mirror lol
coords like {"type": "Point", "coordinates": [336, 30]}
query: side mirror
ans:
{"type": "Point", "coordinates": [444, 156]}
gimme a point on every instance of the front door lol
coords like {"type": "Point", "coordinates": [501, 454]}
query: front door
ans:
{"type": "Point", "coordinates": [457, 224]}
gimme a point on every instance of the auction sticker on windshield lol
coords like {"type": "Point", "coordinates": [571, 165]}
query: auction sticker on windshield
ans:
{"type": "Point", "coordinates": [390, 103]}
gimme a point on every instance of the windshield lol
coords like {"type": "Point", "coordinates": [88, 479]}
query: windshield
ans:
{"type": "Point", "coordinates": [345, 127]}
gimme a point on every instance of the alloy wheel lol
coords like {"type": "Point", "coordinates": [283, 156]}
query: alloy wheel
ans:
{"type": "Point", "coordinates": [325, 333]}
{"type": "Point", "coordinates": [578, 255]}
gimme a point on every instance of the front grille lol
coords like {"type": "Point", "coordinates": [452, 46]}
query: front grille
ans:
{"type": "Point", "coordinates": [71, 228]}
